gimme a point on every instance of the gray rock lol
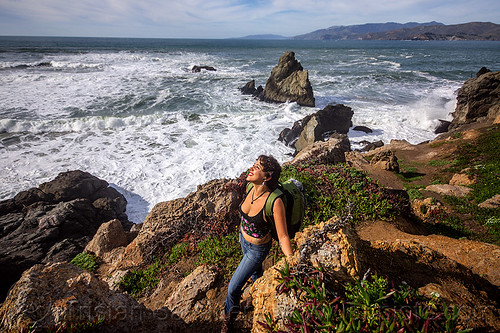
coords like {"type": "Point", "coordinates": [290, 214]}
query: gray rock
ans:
{"type": "Point", "coordinates": [190, 296]}
{"type": "Point", "coordinates": [318, 126]}
{"type": "Point", "coordinates": [54, 222]}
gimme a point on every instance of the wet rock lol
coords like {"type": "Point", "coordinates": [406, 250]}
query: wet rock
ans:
{"type": "Point", "coordinates": [249, 89]}
{"type": "Point", "coordinates": [362, 129]}
{"type": "Point", "coordinates": [318, 126]}
{"type": "Point", "coordinates": [197, 69]}
{"type": "Point", "coordinates": [442, 127]}
{"type": "Point", "coordinates": [367, 145]}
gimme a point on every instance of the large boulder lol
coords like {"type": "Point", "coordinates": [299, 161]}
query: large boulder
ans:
{"type": "Point", "coordinates": [478, 99]}
{"type": "Point", "coordinates": [54, 295]}
{"type": "Point", "coordinates": [318, 126]}
{"type": "Point", "coordinates": [289, 82]}
{"type": "Point", "coordinates": [170, 221]}
{"type": "Point", "coordinates": [190, 299]}
{"type": "Point", "coordinates": [109, 236]}
{"type": "Point", "coordinates": [324, 152]}
{"type": "Point", "coordinates": [328, 244]}
{"type": "Point", "coordinates": [386, 160]}
{"type": "Point", "coordinates": [54, 222]}
{"type": "Point", "coordinates": [466, 277]}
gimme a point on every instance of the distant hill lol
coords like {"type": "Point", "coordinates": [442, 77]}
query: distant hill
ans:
{"type": "Point", "coordinates": [467, 31]}
{"type": "Point", "coordinates": [355, 31]}
{"type": "Point", "coordinates": [268, 36]}
{"type": "Point", "coordinates": [409, 31]}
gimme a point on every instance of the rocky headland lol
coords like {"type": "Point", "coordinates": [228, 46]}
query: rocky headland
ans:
{"type": "Point", "coordinates": [393, 211]}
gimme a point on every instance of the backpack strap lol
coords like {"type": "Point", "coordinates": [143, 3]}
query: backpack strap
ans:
{"type": "Point", "coordinates": [268, 208]}
{"type": "Point", "coordinates": [249, 187]}
{"type": "Point", "coordinates": [277, 193]}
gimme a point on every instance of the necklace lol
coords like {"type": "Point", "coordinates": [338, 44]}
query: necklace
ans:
{"type": "Point", "coordinates": [253, 199]}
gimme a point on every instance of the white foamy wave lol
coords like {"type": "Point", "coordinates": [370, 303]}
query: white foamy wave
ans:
{"type": "Point", "coordinates": [140, 119]}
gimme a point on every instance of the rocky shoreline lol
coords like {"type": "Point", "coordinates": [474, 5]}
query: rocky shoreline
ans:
{"type": "Point", "coordinates": [43, 228]}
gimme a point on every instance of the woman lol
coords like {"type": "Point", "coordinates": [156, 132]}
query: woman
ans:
{"type": "Point", "coordinates": [255, 231]}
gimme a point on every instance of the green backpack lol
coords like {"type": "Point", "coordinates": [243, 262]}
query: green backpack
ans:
{"type": "Point", "coordinates": [292, 194]}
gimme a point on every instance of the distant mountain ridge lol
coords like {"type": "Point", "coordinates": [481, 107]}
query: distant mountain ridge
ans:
{"type": "Point", "coordinates": [265, 36]}
{"type": "Point", "coordinates": [353, 31]}
{"type": "Point", "coordinates": [408, 31]}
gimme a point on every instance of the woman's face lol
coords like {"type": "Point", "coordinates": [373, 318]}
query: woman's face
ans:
{"type": "Point", "coordinates": [256, 173]}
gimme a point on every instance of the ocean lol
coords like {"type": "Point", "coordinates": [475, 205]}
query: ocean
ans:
{"type": "Point", "coordinates": [131, 111]}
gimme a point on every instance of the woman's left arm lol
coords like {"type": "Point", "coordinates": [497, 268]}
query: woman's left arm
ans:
{"type": "Point", "coordinates": [279, 215]}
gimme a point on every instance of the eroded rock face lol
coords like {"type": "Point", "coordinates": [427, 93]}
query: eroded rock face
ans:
{"type": "Point", "coordinates": [289, 82]}
{"type": "Point", "coordinates": [60, 293]}
{"type": "Point", "coordinates": [318, 126]}
{"type": "Point", "coordinates": [329, 152]}
{"type": "Point", "coordinates": [169, 221]}
{"type": "Point", "coordinates": [109, 236]}
{"type": "Point", "coordinates": [386, 160]}
{"type": "Point", "coordinates": [54, 222]}
{"type": "Point", "coordinates": [328, 244]}
{"type": "Point", "coordinates": [478, 98]}
{"type": "Point", "coordinates": [189, 299]}
{"type": "Point", "coordinates": [452, 190]}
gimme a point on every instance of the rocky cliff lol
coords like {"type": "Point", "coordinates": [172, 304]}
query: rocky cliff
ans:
{"type": "Point", "coordinates": [54, 222]}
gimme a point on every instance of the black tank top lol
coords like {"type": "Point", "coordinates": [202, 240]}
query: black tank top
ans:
{"type": "Point", "coordinates": [255, 226]}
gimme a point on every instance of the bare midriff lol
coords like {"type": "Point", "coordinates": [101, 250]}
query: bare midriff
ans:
{"type": "Point", "coordinates": [254, 240]}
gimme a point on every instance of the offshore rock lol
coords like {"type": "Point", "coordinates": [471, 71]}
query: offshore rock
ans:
{"type": "Point", "coordinates": [54, 222]}
{"type": "Point", "coordinates": [55, 294]}
{"type": "Point", "coordinates": [249, 89]}
{"type": "Point", "coordinates": [362, 129]}
{"type": "Point", "coordinates": [197, 69]}
{"type": "Point", "coordinates": [318, 126]}
{"type": "Point", "coordinates": [478, 99]}
{"type": "Point", "coordinates": [288, 82]}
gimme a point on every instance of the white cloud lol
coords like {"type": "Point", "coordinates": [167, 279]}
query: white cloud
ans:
{"type": "Point", "coordinates": [223, 18]}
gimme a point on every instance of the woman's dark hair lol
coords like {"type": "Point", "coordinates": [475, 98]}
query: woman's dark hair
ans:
{"type": "Point", "coordinates": [272, 168]}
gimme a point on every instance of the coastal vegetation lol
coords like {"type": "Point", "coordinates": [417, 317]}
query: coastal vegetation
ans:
{"type": "Point", "coordinates": [86, 261]}
{"type": "Point", "coordinates": [373, 304]}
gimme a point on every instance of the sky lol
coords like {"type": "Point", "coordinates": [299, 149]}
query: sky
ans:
{"type": "Point", "coordinates": [224, 18]}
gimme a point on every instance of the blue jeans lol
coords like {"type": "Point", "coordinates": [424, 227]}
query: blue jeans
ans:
{"type": "Point", "coordinates": [250, 266]}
